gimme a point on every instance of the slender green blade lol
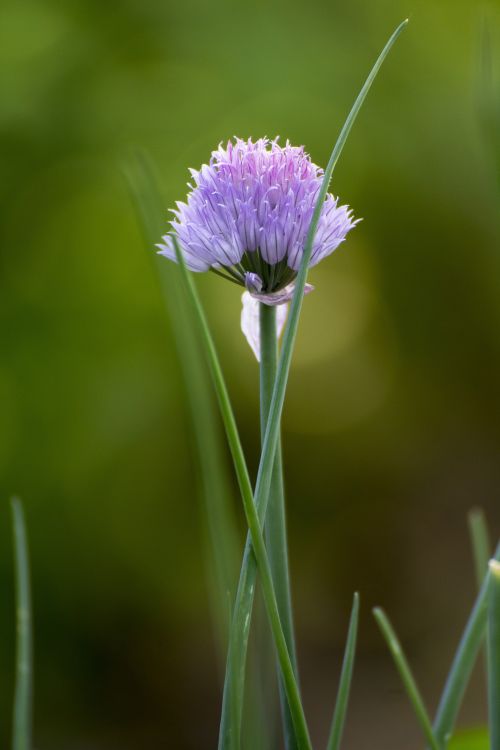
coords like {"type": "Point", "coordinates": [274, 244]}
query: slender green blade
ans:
{"type": "Point", "coordinates": [277, 401]}
{"type": "Point", "coordinates": [223, 543]}
{"type": "Point", "coordinates": [494, 654]}
{"type": "Point", "coordinates": [481, 549]}
{"type": "Point", "coordinates": [406, 676]}
{"type": "Point", "coordinates": [461, 668]}
{"type": "Point", "coordinates": [23, 698]}
{"type": "Point", "coordinates": [254, 524]}
{"type": "Point", "coordinates": [342, 701]}
{"type": "Point", "coordinates": [244, 597]}
{"type": "Point", "coordinates": [481, 552]}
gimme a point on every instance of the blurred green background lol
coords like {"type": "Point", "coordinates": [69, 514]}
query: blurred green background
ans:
{"type": "Point", "coordinates": [392, 420]}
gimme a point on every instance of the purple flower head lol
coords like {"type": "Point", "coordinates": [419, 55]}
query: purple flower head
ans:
{"type": "Point", "coordinates": [248, 214]}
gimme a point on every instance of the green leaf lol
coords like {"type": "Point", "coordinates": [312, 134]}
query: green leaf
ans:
{"type": "Point", "coordinates": [406, 676]}
{"type": "Point", "coordinates": [345, 680]}
{"type": "Point", "coordinates": [23, 698]}
{"type": "Point", "coordinates": [461, 668]}
{"type": "Point", "coordinates": [289, 336]}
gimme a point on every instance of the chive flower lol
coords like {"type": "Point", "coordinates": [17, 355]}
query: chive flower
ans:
{"type": "Point", "coordinates": [247, 216]}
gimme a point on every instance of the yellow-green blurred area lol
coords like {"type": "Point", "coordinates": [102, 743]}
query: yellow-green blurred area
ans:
{"type": "Point", "coordinates": [392, 419]}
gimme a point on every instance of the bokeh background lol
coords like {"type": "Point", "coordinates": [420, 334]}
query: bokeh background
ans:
{"type": "Point", "coordinates": [392, 420]}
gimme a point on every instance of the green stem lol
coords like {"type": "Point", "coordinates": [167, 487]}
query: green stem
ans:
{"type": "Point", "coordinates": [340, 711]}
{"type": "Point", "coordinates": [22, 718]}
{"type": "Point", "coordinates": [275, 518]}
{"type": "Point", "coordinates": [406, 676]}
{"type": "Point", "coordinates": [494, 654]}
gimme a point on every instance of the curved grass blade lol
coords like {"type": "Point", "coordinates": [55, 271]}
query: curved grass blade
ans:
{"type": "Point", "coordinates": [406, 676]}
{"type": "Point", "coordinates": [341, 703]}
{"type": "Point", "coordinates": [254, 525]}
{"type": "Point", "coordinates": [223, 543]}
{"type": "Point", "coordinates": [244, 596]}
{"type": "Point", "coordinates": [276, 407]}
{"type": "Point", "coordinates": [462, 665]}
{"type": "Point", "coordinates": [494, 654]}
{"type": "Point", "coordinates": [481, 549]}
{"type": "Point", "coordinates": [23, 699]}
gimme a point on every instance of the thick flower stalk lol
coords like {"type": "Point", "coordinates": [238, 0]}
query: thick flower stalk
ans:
{"type": "Point", "coordinates": [247, 216]}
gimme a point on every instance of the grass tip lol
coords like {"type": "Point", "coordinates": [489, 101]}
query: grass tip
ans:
{"type": "Point", "coordinates": [16, 505]}
{"type": "Point", "coordinates": [355, 605]}
{"type": "Point", "coordinates": [475, 512]}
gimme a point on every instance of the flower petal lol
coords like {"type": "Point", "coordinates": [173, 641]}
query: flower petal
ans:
{"type": "Point", "coordinates": [253, 282]}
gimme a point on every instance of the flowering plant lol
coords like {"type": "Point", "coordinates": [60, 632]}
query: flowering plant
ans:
{"type": "Point", "coordinates": [260, 215]}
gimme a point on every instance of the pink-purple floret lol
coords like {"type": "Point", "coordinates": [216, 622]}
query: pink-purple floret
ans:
{"type": "Point", "coordinates": [251, 208]}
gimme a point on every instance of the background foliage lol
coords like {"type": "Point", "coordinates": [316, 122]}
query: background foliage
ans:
{"type": "Point", "coordinates": [392, 422]}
